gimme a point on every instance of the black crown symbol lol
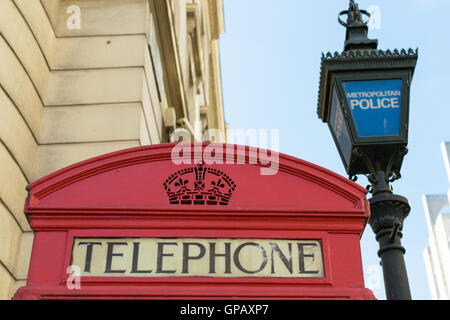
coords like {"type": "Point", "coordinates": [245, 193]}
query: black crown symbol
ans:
{"type": "Point", "coordinates": [199, 186]}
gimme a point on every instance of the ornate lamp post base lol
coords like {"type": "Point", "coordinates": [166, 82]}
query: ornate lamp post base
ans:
{"type": "Point", "coordinates": [388, 213]}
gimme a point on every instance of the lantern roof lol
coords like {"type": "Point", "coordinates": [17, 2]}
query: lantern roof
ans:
{"type": "Point", "coordinates": [360, 54]}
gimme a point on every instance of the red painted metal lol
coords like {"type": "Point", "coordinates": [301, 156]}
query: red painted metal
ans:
{"type": "Point", "coordinates": [121, 195]}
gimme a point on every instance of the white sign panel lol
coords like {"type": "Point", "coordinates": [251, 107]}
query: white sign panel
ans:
{"type": "Point", "coordinates": [151, 257]}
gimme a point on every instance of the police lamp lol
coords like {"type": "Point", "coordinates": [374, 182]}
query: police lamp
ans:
{"type": "Point", "coordinates": [364, 99]}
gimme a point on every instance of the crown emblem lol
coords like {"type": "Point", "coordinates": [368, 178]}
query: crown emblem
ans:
{"type": "Point", "coordinates": [199, 186]}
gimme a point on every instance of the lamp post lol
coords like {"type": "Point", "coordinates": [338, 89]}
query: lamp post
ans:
{"type": "Point", "coordinates": [364, 99]}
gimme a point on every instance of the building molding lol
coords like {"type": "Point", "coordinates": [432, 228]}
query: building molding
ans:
{"type": "Point", "coordinates": [170, 57]}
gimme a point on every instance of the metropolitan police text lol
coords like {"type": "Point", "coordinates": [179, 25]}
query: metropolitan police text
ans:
{"type": "Point", "coordinates": [374, 99]}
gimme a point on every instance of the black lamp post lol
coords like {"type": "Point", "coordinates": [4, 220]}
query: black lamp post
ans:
{"type": "Point", "coordinates": [364, 98]}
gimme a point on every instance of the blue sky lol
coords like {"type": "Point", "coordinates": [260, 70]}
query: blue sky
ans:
{"type": "Point", "coordinates": [270, 55]}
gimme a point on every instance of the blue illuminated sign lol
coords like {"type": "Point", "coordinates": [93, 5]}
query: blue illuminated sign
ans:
{"type": "Point", "coordinates": [375, 106]}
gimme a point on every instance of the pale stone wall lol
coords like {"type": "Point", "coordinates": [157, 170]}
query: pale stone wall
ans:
{"type": "Point", "coordinates": [71, 94]}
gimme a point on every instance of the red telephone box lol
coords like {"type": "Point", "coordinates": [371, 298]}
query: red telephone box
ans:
{"type": "Point", "coordinates": [135, 224]}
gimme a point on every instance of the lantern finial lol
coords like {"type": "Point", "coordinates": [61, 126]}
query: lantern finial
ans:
{"type": "Point", "coordinates": [357, 30]}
